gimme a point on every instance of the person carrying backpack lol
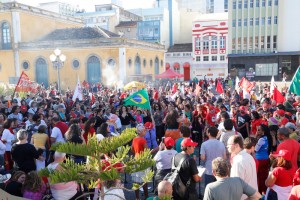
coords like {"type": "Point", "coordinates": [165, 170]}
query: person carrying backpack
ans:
{"type": "Point", "coordinates": [187, 171]}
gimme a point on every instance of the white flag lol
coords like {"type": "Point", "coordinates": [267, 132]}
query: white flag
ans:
{"type": "Point", "coordinates": [77, 92]}
{"type": "Point", "coordinates": [272, 85]}
{"type": "Point", "coordinates": [237, 81]}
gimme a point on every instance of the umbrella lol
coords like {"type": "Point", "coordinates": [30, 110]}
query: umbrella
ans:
{"type": "Point", "coordinates": [135, 85]}
{"type": "Point", "coordinates": [169, 74]}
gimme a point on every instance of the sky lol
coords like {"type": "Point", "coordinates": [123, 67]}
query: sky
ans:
{"type": "Point", "coordinates": [88, 5]}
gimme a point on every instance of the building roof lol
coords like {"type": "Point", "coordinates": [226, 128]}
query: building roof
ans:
{"type": "Point", "coordinates": [78, 33]}
{"type": "Point", "coordinates": [187, 47]}
{"type": "Point", "coordinates": [127, 24]}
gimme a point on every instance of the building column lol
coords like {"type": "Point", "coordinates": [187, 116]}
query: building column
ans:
{"type": "Point", "coordinates": [122, 64]}
{"type": "Point", "coordinates": [16, 39]}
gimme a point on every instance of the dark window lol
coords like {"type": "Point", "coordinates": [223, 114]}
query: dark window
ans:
{"type": "Point", "coordinates": [263, 3]}
{"type": "Point", "coordinates": [234, 23]}
{"type": "Point", "coordinates": [270, 3]}
{"type": "Point", "coordinates": [111, 63]}
{"type": "Point", "coordinates": [161, 63]}
{"type": "Point", "coordinates": [245, 3]}
{"type": "Point", "coordinates": [257, 3]}
{"type": "Point", "coordinates": [25, 65]}
{"type": "Point", "coordinates": [276, 2]}
{"type": "Point", "coordinates": [129, 62]}
{"type": "Point", "coordinates": [240, 4]}
{"type": "Point", "coordinates": [274, 41]}
{"type": "Point", "coordinates": [234, 5]}
{"type": "Point", "coordinates": [151, 63]}
{"type": "Point", "coordinates": [144, 63]}
{"type": "Point", "coordinates": [6, 42]}
{"type": "Point", "coordinates": [76, 64]}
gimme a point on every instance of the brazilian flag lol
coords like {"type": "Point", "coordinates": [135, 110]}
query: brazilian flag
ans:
{"type": "Point", "coordinates": [139, 99]}
{"type": "Point", "coordinates": [295, 84]}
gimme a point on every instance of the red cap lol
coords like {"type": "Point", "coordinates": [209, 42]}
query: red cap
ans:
{"type": "Point", "coordinates": [169, 142]}
{"type": "Point", "coordinates": [280, 112]}
{"type": "Point", "coordinates": [188, 142]}
{"type": "Point", "coordinates": [284, 153]}
{"type": "Point", "coordinates": [148, 125]}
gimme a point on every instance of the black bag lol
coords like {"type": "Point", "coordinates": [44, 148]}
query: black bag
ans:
{"type": "Point", "coordinates": [272, 195]}
{"type": "Point", "coordinates": [173, 177]}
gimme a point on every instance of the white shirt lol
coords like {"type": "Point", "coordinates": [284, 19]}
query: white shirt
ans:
{"type": "Point", "coordinates": [56, 133]}
{"type": "Point", "coordinates": [243, 166]}
{"type": "Point", "coordinates": [163, 159]}
{"type": "Point", "coordinates": [8, 137]}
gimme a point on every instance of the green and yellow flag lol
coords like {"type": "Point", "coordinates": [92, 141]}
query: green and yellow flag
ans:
{"type": "Point", "coordinates": [139, 99]}
{"type": "Point", "coordinates": [295, 84]}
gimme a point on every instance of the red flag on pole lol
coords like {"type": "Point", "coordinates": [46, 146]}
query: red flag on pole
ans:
{"type": "Point", "coordinates": [247, 85]}
{"type": "Point", "coordinates": [24, 84]}
{"type": "Point", "coordinates": [219, 88]}
{"type": "Point", "coordinates": [277, 96]}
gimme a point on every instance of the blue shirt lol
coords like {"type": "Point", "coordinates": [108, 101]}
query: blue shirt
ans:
{"type": "Point", "coordinates": [151, 139]}
{"type": "Point", "coordinates": [261, 149]}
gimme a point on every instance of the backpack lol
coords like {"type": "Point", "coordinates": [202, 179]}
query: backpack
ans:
{"type": "Point", "coordinates": [173, 177]}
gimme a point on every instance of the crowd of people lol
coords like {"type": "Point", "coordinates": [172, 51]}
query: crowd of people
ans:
{"type": "Point", "coordinates": [249, 145]}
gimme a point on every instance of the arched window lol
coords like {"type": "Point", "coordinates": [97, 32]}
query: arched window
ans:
{"type": "Point", "coordinates": [137, 64]}
{"type": "Point", "coordinates": [156, 64]}
{"type": "Point", "coordinates": [41, 72]}
{"type": "Point", "coordinates": [6, 42]}
{"type": "Point", "coordinates": [93, 70]}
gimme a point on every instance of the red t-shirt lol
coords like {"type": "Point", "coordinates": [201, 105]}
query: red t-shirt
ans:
{"type": "Point", "coordinates": [284, 177]}
{"type": "Point", "coordinates": [294, 148]}
{"type": "Point", "coordinates": [254, 124]}
{"type": "Point", "coordinates": [211, 119]}
{"type": "Point", "coordinates": [138, 145]}
{"type": "Point", "coordinates": [91, 133]}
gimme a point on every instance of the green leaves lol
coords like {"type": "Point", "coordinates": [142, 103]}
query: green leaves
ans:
{"type": "Point", "coordinates": [97, 170]}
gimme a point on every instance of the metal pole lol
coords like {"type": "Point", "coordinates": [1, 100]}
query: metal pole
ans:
{"type": "Point", "coordinates": [58, 75]}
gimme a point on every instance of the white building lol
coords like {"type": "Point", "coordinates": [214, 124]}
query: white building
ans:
{"type": "Point", "coordinates": [264, 38]}
{"type": "Point", "coordinates": [60, 7]}
{"type": "Point", "coordinates": [179, 58]}
{"type": "Point", "coordinates": [210, 33]}
{"type": "Point", "coordinates": [107, 16]}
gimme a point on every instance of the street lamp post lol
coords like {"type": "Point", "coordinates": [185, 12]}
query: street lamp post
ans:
{"type": "Point", "coordinates": [58, 59]}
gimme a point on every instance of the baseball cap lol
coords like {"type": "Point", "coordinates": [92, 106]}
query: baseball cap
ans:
{"type": "Point", "coordinates": [283, 131]}
{"type": "Point", "coordinates": [283, 153]}
{"type": "Point", "coordinates": [14, 101]}
{"type": "Point", "coordinates": [148, 125]}
{"type": "Point", "coordinates": [188, 142]}
{"type": "Point", "coordinates": [280, 112]}
{"type": "Point", "coordinates": [290, 125]}
{"type": "Point", "coordinates": [169, 142]}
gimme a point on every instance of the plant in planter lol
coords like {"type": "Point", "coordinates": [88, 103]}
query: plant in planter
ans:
{"type": "Point", "coordinates": [98, 170]}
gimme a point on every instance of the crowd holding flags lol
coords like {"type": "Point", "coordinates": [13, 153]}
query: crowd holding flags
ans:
{"type": "Point", "coordinates": [26, 85]}
{"type": "Point", "coordinates": [139, 99]}
{"type": "Point", "coordinates": [295, 83]}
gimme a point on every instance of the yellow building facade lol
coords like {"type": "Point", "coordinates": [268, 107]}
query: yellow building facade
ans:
{"type": "Point", "coordinates": [30, 35]}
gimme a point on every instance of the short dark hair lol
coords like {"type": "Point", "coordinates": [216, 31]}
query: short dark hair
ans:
{"type": "Point", "coordinates": [238, 140]}
{"type": "Point", "coordinates": [213, 131]}
{"type": "Point", "coordinates": [228, 124]}
{"type": "Point", "coordinates": [185, 131]}
{"type": "Point", "coordinates": [224, 114]}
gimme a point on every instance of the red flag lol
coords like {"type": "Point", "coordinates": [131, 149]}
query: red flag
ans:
{"type": "Point", "coordinates": [174, 88]}
{"type": "Point", "coordinates": [277, 96]}
{"type": "Point", "coordinates": [85, 84]}
{"type": "Point", "coordinates": [219, 88]}
{"type": "Point", "coordinates": [247, 85]}
{"type": "Point", "coordinates": [25, 85]}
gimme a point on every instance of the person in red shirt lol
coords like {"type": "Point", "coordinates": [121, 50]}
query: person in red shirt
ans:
{"type": "Point", "coordinates": [280, 179]}
{"type": "Point", "coordinates": [139, 144]}
{"type": "Point", "coordinates": [280, 115]}
{"type": "Point", "coordinates": [211, 116]}
{"type": "Point", "coordinates": [288, 144]}
{"type": "Point", "coordinates": [255, 122]}
{"type": "Point", "coordinates": [89, 128]}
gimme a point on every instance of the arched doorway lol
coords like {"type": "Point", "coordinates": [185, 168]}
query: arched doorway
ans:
{"type": "Point", "coordinates": [93, 70]}
{"type": "Point", "coordinates": [156, 64]}
{"type": "Point", "coordinates": [137, 65]}
{"type": "Point", "coordinates": [186, 71]}
{"type": "Point", "coordinates": [41, 72]}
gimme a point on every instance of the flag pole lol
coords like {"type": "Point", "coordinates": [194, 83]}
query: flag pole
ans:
{"type": "Point", "coordinates": [16, 86]}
